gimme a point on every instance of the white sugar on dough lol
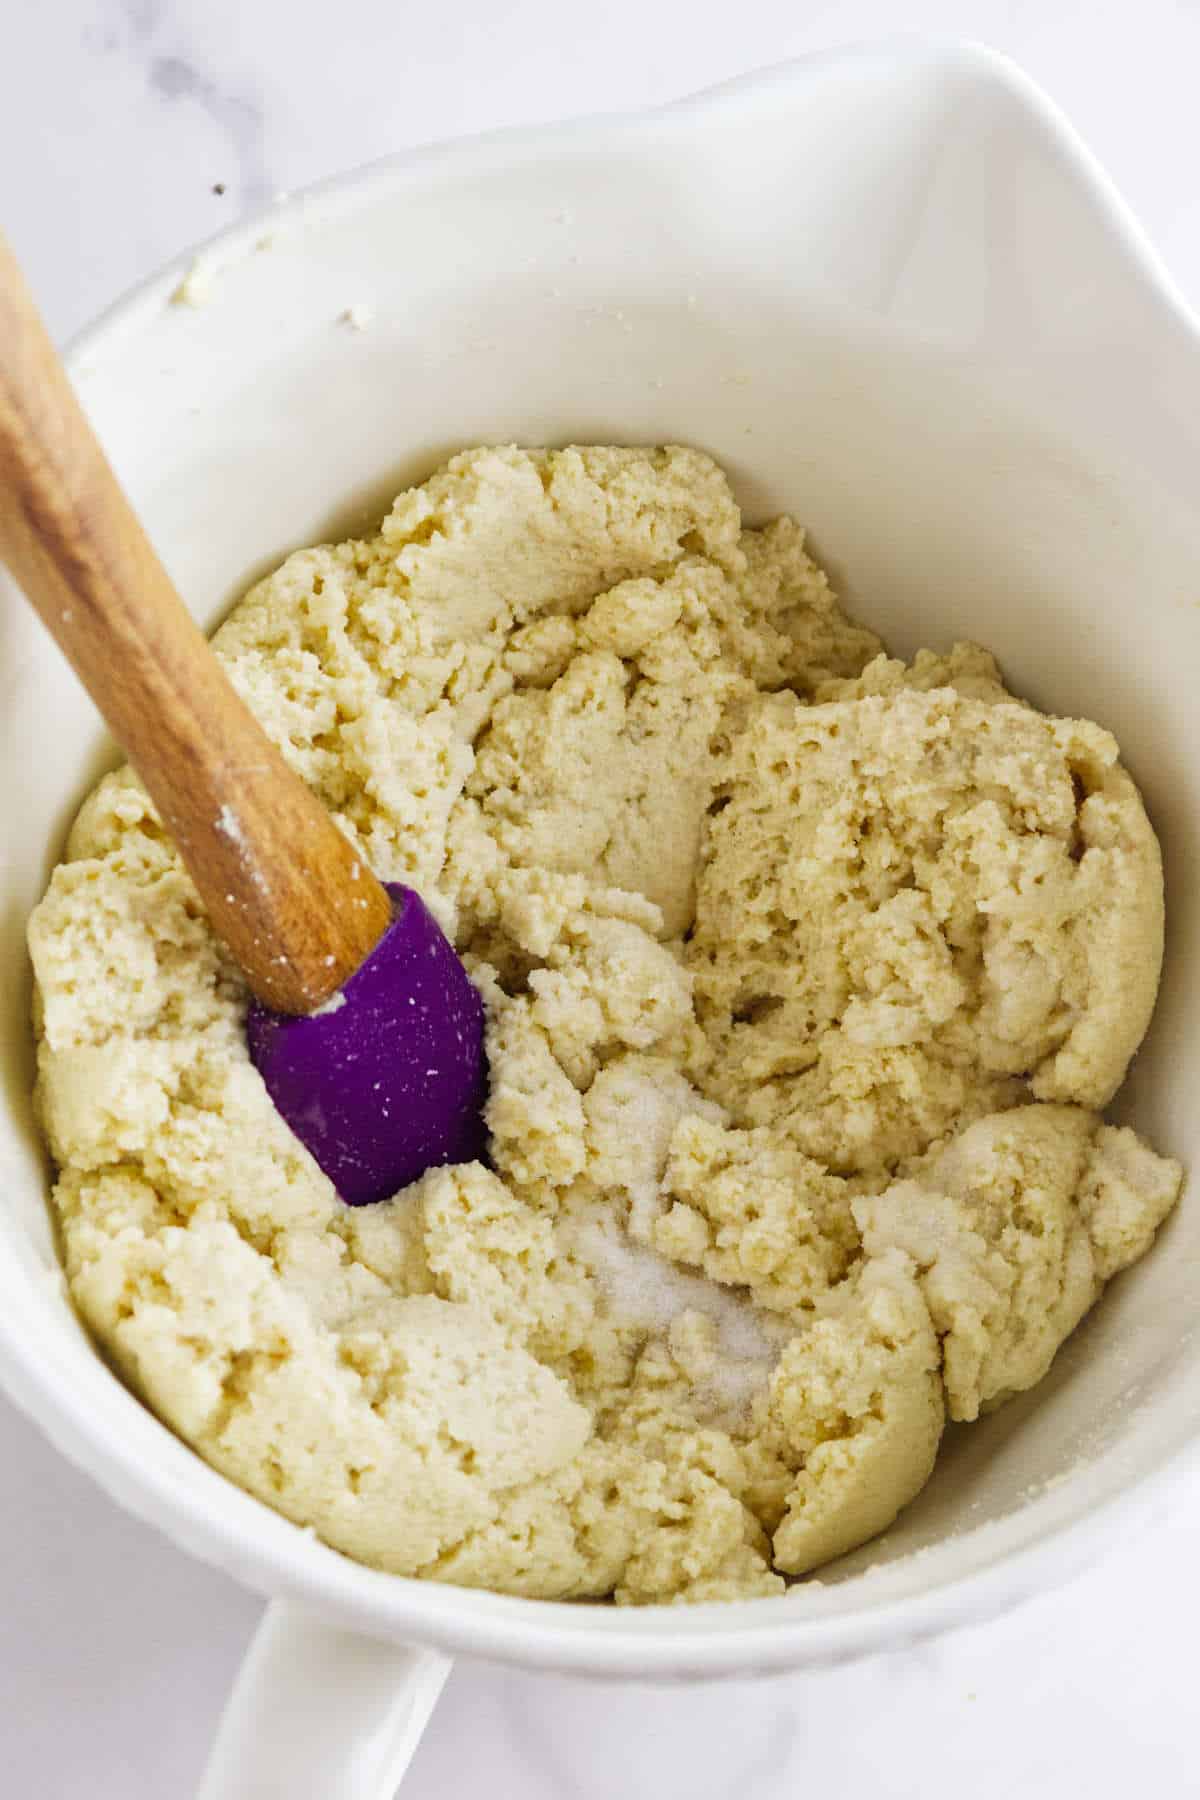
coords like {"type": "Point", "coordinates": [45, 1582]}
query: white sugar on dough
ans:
{"type": "Point", "coordinates": [806, 974]}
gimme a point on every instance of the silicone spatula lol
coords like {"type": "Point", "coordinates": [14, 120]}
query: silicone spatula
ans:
{"type": "Point", "coordinates": [364, 1024]}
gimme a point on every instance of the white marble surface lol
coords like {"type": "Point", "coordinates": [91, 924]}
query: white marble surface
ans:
{"type": "Point", "coordinates": [120, 119]}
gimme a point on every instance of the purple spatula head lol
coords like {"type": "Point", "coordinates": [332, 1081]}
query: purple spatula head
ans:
{"type": "Point", "coordinates": [389, 1079]}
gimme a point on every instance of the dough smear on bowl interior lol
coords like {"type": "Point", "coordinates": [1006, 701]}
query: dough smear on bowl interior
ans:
{"type": "Point", "coordinates": [808, 976]}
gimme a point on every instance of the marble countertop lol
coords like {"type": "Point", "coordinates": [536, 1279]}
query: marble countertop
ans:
{"type": "Point", "coordinates": [131, 128]}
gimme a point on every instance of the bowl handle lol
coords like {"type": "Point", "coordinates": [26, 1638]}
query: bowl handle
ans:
{"type": "Point", "coordinates": [321, 1714]}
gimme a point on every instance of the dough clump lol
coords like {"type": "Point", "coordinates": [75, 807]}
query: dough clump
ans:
{"type": "Point", "coordinates": [808, 974]}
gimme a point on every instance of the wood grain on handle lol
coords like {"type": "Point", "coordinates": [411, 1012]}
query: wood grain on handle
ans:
{"type": "Point", "coordinates": [283, 887]}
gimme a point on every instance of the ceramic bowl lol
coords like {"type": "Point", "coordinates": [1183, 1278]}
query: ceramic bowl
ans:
{"type": "Point", "coordinates": [893, 295]}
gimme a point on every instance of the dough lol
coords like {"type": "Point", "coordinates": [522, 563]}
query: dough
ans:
{"type": "Point", "coordinates": [912, 905]}
{"type": "Point", "coordinates": [807, 973]}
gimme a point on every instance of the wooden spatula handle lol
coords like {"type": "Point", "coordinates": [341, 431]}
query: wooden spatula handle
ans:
{"type": "Point", "coordinates": [284, 888]}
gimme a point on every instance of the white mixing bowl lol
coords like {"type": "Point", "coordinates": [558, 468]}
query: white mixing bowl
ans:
{"type": "Point", "coordinates": [889, 291]}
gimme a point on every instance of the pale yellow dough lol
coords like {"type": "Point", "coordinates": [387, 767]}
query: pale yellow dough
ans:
{"type": "Point", "coordinates": [806, 973]}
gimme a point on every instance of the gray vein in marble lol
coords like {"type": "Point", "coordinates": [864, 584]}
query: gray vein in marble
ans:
{"type": "Point", "coordinates": [150, 33]}
{"type": "Point", "coordinates": [240, 119]}
{"type": "Point", "coordinates": [144, 17]}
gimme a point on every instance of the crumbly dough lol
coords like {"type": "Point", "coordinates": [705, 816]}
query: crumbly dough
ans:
{"type": "Point", "coordinates": [807, 974]}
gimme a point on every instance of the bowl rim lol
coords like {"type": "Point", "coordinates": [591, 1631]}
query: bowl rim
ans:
{"type": "Point", "coordinates": [1017, 1560]}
